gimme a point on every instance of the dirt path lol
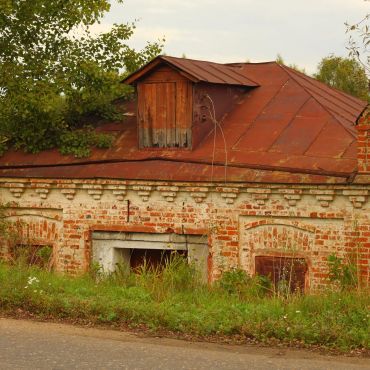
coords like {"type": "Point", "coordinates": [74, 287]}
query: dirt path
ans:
{"type": "Point", "coordinates": [34, 345]}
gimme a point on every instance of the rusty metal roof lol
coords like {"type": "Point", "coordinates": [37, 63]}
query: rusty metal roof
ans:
{"type": "Point", "coordinates": [197, 71]}
{"type": "Point", "coordinates": [342, 106]}
{"type": "Point", "coordinates": [290, 129]}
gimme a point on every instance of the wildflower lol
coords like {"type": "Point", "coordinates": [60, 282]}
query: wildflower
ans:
{"type": "Point", "coordinates": [32, 279]}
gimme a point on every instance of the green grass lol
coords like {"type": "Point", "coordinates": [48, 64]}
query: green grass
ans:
{"type": "Point", "coordinates": [174, 300]}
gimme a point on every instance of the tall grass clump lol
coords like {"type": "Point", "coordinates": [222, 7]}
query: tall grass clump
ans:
{"type": "Point", "coordinates": [173, 298]}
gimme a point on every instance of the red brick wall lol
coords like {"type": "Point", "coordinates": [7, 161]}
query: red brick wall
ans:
{"type": "Point", "coordinates": [363, 143]}
{"type": "Point", "coordinates": [239, 222]}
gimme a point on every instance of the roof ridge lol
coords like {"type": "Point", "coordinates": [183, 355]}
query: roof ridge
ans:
{"type": "Point", "coordinates": [168, 57]}
{"type": "Point", "coordinates": [325, 108]}
{"type": "Point", "coordinates": [246, 63]}
{"type": "Point", "coordinates": [320, 83]}
{"type": "Point", "coordinates": [220, 73]}
{"type": "Point", "coordinates": [229, 73]}
{"type": "Point", "coordinates": [206, 70]}
{"type": "Point", "coordinates": [231, 68]}
{"type": "Point", "coordinates": [234, 65]}
{"type": "Point", "coordinates": [229, 64]}
{"type": "Point", "coordinates": [241, 75]}
{"type": "Point", "coordinates": [321, 94]}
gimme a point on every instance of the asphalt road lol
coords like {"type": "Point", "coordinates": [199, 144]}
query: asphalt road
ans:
{"type": "Point", "coordinates": [33, 345]}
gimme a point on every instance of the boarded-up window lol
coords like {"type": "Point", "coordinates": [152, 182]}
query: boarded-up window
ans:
{"type": "Point", "coordinates": [287, 274]}
{"type": "Point", "coordinates": [164, 110]}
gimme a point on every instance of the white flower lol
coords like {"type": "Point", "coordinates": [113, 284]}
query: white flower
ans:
{"type": "Point", "coordinates": [32, 279]}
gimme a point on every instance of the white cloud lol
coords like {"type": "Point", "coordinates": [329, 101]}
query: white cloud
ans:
{"type": "Point", "coordinates": [303, 31]}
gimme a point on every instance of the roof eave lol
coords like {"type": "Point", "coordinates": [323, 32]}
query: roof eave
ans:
{"type": "Point", "coordinates": [135, 76]}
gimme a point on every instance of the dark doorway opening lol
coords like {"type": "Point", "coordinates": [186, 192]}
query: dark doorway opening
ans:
{"type": "Point", "coordinates": [153, 258]}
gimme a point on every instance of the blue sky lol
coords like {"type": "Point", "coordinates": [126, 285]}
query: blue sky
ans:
{"type": "Point", "coordinates": [302, 31]}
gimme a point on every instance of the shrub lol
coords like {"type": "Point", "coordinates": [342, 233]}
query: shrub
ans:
{"type": "Point", "coordinates": [33, 255]}
{"type": "Point", "coordinates": [238, 282]}
{"type": "Point", "coordinates": [343, 272]}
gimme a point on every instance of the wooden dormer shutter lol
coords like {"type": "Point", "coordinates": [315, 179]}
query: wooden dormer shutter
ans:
{"type": "Point", "coordinates": [158, 114]}
{"type": "Point", "coordinates": [164, 110]}
{"type": "Point", "coordinates": [174, 98]}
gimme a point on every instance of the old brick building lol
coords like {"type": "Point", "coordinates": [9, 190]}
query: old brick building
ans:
{"type": "Point", "coordinates": [236, 165]}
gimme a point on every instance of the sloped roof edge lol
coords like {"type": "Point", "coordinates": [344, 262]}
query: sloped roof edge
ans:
{"type": "Point", "coordinates": [196, 71]}
{"type": "Point", "coordinates": [336, 102]}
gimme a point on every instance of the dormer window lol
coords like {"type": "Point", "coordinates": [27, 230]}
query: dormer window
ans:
{"type": "Point", "coordinates": [164, 110]}
{"type": "Point", "coordinates": [171, 97]}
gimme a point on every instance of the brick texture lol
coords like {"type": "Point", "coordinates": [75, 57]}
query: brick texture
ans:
{"type": "Point", "coordinates": [363, 143]}
{"type": "Point", "coordinates": [311, 227]}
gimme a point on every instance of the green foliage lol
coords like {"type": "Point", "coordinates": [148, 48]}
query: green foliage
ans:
{"type": "Point", "coordinates": [343, 272]}
{"type": "Point", "coordinates": [55, 74]}
{"type": "Point", "coordinates": [279, 59]}
{"type": "Point", "coordinates": [95, 271]}
{"type": "Point", "coordinates": [232, 281]}
{"type": "Point", "coordinates": [4, 224]}
{"type": "Point", "coordinates": [24, 255]}
{"type": "Point", "coordinates": [173, 275]}
{"type": "Point", "coordinates": [238, 282]}
{"type": "Point", "coordinates": [78, 142]}
{"type": "Point", "coordinates": [8, 233]}
{"type": "Point", "coordinates": [178, 275]}
{"type": "Point", "coordinates": [345, 74]}
{"type": "Point", "coordinates": [45, 254]}
{"type": "Point", "coordinates": [333, 319]}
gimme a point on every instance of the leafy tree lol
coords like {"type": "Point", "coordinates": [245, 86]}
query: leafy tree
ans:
{"type": "Point", "coordinates": [345, 74]}
{"type": "Point", "coordinates": [55, 74]}
{"type": "Point", "coordinates": [280, 60]}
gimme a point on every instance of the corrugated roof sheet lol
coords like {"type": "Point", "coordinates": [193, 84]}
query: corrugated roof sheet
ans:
{"type": "Point", "coordinates": [200, 71]}
{"type": "Point", "coordinates": [291, 129]}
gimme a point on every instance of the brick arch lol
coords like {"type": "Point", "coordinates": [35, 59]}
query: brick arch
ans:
{"type": "Point", "coordinates": [294, 223]}
{"type": "Point", "coordinates": [30, 228]}
{"type": "Point", "coordinates": [278, 238]}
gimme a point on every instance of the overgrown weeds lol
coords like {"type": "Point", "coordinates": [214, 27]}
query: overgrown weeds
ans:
{"type": "Point", "coordinates": [238, 283]}
{"type": "Point", "coordinates": [344, 272]}
{"type": "Point", "coordinates": [173, 298]}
